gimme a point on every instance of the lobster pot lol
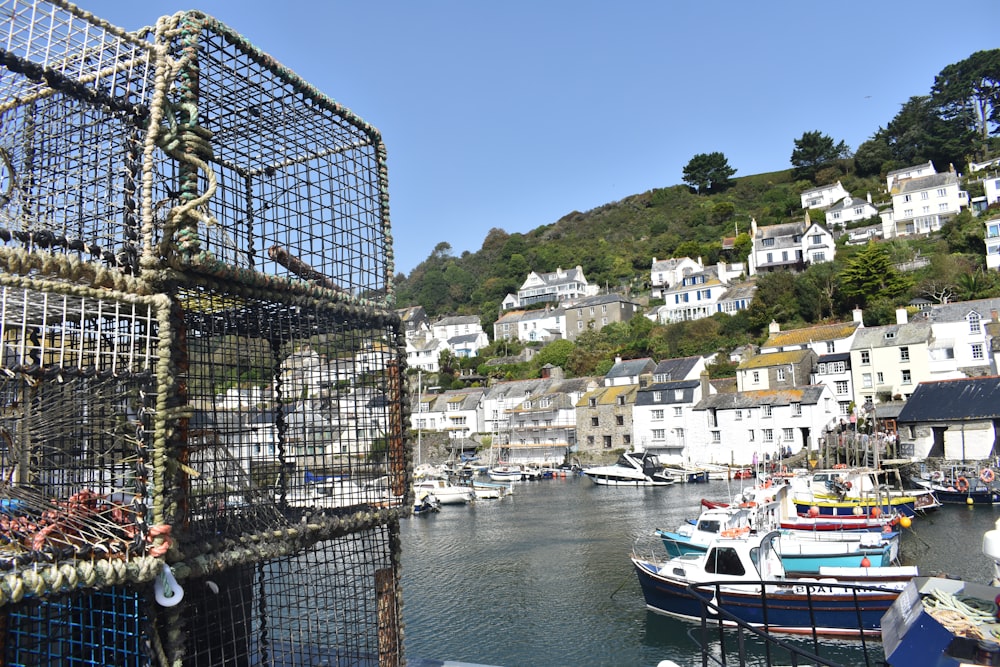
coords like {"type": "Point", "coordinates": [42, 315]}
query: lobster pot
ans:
{"type": "Point", "coordinates": [335, 602]}
{"type": "Point", "coordinates": [83, 628]}
{"type": "Point", "coordinates": [294, 409]}
{"type": "Point", "coordinates": [77, 387]}
{"type": "Point", "coordinates": [185, 147]}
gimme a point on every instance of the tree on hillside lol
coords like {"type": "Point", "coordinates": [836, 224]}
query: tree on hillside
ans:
{"type": "Point", "coordinates": [814, 150]}
{"type": "Point", "coordinates": [918, 133]}
{"type": "Point", "coordinates": [870, 274]}
{"type": "Point", "coordinates": [708, 172]}
{"type": "Point", "coordinates": [971, 87]}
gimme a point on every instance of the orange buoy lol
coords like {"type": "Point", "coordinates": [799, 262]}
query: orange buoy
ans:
{"type": "Point", "coordinates": [962, 484]}
{"type": "Point", "coordinates": [876, 512]}
{"type": "Point", "coordinates": [865, 562]}
{"type": "Point", "coordinates": [814, 511]}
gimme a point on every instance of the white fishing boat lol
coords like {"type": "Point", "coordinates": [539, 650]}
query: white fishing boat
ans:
{"type": "Point", "coordinates": [446, 492]}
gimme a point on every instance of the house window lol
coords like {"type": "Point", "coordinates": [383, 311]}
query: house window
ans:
{"type": "Point", "coordinates": [796, 409]}
{"type": "Point", "coordinates": [545, 402]}
{"type": "Point", "coordinates": [678, 410]}
{"type": "Point", "coordinates": [590, 440]}
{"type": "Point", "coordinates": [830, 347]}
{"type": "Point", "coordinates": [679, 432]}
{"type": "Point", "coordinates": [906, 377]}
{"type": "Point", "coordinates": [841, 387]}
{"type": "Point", "coordinates": [657, 396]}
{"type": "Point", "coordinates": [866, 379]}
{"type": "Point", "coordinates": [607, 442]}
{"type": "Point", "coordinates": [620, 420]}
{"type": "Point", "coordinates": [770, 258]}
{"type": "Point", "coordinates": [786, 435]}
{"type": "Point", "coordinates": [756, 377]}
{"type": "Point", "coordinates": [659, 434]}
{"type": "Point", "coordinates": [621, 400]}
{"type": "Point", "coordinates": [974, 322]}
{"type": "Point", "coordinates": [716, 436]}
{"type": "Point", "coordinates": [627, 438]}
{"type": "Point", "coordinates": [781, 375]}
{"type": "Point", "coordinates": [816, 239]}
{"type": "Point", "coordinates": [880, 378]}
{"type": "Point", "coordinates": [766, 408]}
{"type": "Point", "coordinates": [941, 192]}
{"type": "Point", "coordinates": [845, 408]}
{"type": "Point", "coordinates": [593, 402]}
{"type": "Point", "coordinates": [768, 243]}
{"type": "Point", "coordinates": [866, 357]}
{"type": "Point", "coordinates": [904, 354]}
{"type": "Point", "coordinates": [819, 257]}
{"type": "Point", "coordinates": [657, 415]}
{"type": "Point", "coordinates": [594, 421]}
{"type": "Point", "coordinates": [977, 350]}
{"type": "Point", "coordinates": [739, 415]}
{"type": "Point", "coordinates": [907, 198]}
{"type": "Point", "coordinates": [925, 195]}
{"type": "Point", "coordinates": [678, 394]}
{"type": "Point", "coordinates": [750, 435]}
{"type": "Point", "coordinates": [768, 435]}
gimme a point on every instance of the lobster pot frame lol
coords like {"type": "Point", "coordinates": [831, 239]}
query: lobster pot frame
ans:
{"type": "Point", "coordinates": [77, 390]}
{"type": "Point", "coordinates": [294, 409]}
{"type": "Point", "coordinates": [186, 147]}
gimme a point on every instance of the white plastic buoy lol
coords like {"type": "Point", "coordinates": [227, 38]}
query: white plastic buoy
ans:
{"type": "Point", "coordinates": [166, 590]}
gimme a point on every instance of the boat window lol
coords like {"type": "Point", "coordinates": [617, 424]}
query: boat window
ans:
{"type": "Point", "coordinates": [724, 560]}
{"type": "Point", "coordinates": [709, 526]}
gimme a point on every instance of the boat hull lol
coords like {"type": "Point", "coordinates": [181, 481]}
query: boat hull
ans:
{"type": "Point", "coordinates": [904, 505]}
{"type": "Point", "coordinates": [795, 608]}
{"type": "Point", "coordinates": [603, 479]}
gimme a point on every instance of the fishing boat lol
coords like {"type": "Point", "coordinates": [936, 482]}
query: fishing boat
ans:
{"type": "Point", "coordinates": [802, 552]}
{"type": "Point", "coordinates": [688, 475]}
{"type": "Point", "coordinates": [960, 486]}
{"type": "Point", "coordinates": [858, 491]}
{"type": "Point", "coordinates": [425, 502]}
{"type": "Point", "coordinates": [813, 521]}
{"type": "Point", "coordinates": [632, 469]}
{"type": "Point", "coordinates": [743, 578]}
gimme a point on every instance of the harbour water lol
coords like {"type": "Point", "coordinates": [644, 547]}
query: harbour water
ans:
{"type": "Point", "coordinates": [543, 578]}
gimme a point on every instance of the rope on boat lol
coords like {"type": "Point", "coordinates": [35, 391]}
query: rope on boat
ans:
{"type": "Point", "coordinates": [960, 614]}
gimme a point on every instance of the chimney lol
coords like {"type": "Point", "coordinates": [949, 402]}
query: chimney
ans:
{"type": "Point", "coordinates": [858, 316]}
{"type": "Point", "coordinates": [869, 198]}
{"type": "Point", "coordinates": [618, 360]}
{"type": "Point", "coordinates": [704, 384]}
{"type": "Point", "coordinates": [773, 327]}
{"type": "Point", "coordinates": [901, 316]}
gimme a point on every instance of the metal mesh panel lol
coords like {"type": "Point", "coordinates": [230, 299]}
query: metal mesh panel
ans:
{"type": "Point", "coordinates": [89, 628]}
{"type": "Point", "coordinates": [75, 377]}
{"type": "Point", "coordinates": [336, 603]}
{"type": "Point", "coordinates": [294, 407]}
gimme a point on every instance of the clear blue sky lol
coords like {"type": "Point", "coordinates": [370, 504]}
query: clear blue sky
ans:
{"type": "Point", "coordinates": [514, 113]}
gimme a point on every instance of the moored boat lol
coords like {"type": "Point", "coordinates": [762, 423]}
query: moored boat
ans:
{"type": "Point", "coordinates": [632, 469]}
{"type": "Point", "coordinates": [858, 492]}
{"type": "Point", "coordinates": [446, 492]}
{"type": "Point", "coordinates": [743, 576]}
{"type": "Point", "coordinates": [959, 486]}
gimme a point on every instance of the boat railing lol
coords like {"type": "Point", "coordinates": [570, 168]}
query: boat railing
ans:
{"type": "Point", "coordinates": [724, 637]}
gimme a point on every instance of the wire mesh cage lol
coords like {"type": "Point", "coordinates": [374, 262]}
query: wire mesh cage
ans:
{"type": "Point", "coordinates": [184, 146]}
{"type": "Point", "coordinates": [200, 374]}
{"type": "Point", "coordinates": [293, 409]}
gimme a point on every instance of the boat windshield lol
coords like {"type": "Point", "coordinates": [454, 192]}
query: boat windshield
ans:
{"type": "Point", "coordinates": [724, 560]}
{"type": "Point", "coordinates": [709, 526]}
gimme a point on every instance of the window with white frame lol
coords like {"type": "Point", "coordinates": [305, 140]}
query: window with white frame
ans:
{"type": "Point", "coordinates": [739, 415]}
{"type": "Point", "coordinates": [796, 409]}
{"type": "Point", "coordinates": [679, 432]}
{"type": "Point", "coordinates": [904, 354]}
{"type": "Point", "coordinates": [678, 411]}
{"type": "Point", "coordinates": [657, 396]}
{"type": "Point", "coordinates": [768, 243]}
{"type": "Point", "coordinates": [942, 192]}
{"type": "Point", "coordinates": [816, 239]}
{"type": "Point", "coordinates": [830, 347]}
{"type": "Point", "coordinates": [750, 435]}
{"type": "Point", "coordinates": [866, 379]}
{"type": "Point", "coordinates": [768, 435]}
{"type": "Point", "coordinates": [975, 322]}
{"type": "Point", "coordinates": [841, 387]}
{"type": "Point", "coordinates": [659, 434]}
{"type": "Point", "coordinates": [657, 415]}
{"type": "Point", "coordinates": [925, 195]}
{"type": "Point", "coordinates": [977, 351]}
{"type": "Point", "coordinates": [756, 377]}
{"type": "Point", "coordinates": [844, 408]}
{"type": "Point", "coordinates": [880, 377]}
{"type": "Point", "coordinates": [866, 357]}
{"type": "Point", "coordinates": [786, 435]}
{"type": "Point", "coordinates": [781, 375]}
{"type": "Point", "coordinates": [716, 436]}
{"type": "Point", "coordinates": [906, 378]}
{"type": "Point", "coordinates": [766, 409]}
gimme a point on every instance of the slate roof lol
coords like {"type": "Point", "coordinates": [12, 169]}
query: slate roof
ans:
{"type": "Point", "coordinates": [676, 369]}
{"type": "Point", "coordinates": [850, 202]}
{"type": "Point", "coordinates": [464, 338]}
{"type": "Point", "coordinates": [808, 395]}
{"type": "Point", "coordinates": [911, 333]}
{"type": "Point", "coordinates": [839, 356]}
{"type": "Point", "coordinates": [953, 400]}
{"type": "Point", "coordinates": [782, 235]}
{"type": "Point", "coordinates": [457, 320]}
{"type": "Point", "coordinates": [958, 310]}
{"type": "Point", "coordinates": [667, 391]}
{"type": "Point", "coordinates": [769, 359]}
{"type": "Point", "coordinates": [926, 182]}
{"type": "Point", "coordinates": [608, 395]}
{"type": "Point", "coordinates": [804, 336]}
{"type": "Point", "coordinates": [630, 367]}
{"type": "Point", "coordinates": [736, 291]}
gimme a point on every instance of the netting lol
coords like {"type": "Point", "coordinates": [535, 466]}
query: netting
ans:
{"type": "Point", "coordinates": [202, 406]}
